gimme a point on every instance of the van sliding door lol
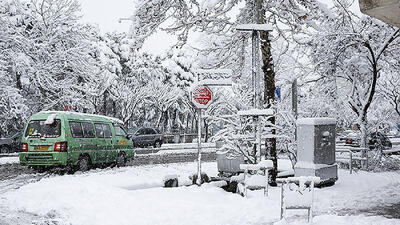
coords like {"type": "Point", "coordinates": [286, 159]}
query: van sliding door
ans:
{"type": "Point", "coordinates": [109, 156]}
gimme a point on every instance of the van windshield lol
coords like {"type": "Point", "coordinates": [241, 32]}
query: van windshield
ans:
{"type": "Point", "coordinates": [38, 128]}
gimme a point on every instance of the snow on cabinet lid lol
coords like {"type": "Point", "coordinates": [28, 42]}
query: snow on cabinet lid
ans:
{"type": "Point", "coordinates": [316, 121]}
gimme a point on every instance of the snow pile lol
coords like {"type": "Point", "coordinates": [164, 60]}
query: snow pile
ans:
{"type": "Point", "coordinates": [256, 180]}
{"type": "Point", "coordinates": [133, 195]}
{"type": "Point", "coordinates": [9, 160]}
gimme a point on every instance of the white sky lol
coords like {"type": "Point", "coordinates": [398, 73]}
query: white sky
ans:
{"type": "Point", "coordinates": [105, 13]}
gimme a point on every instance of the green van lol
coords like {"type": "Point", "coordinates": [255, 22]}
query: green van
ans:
{"type": "Point", "coordinates": [75, 140]}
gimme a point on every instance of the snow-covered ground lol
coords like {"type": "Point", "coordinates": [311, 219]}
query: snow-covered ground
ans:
{"type": "Point", "coordinates": [133, 195]}
{"type": "Point", "coordinates": [9, 160]}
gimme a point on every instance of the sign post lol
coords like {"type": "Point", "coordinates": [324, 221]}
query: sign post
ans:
{"type": "Point", "coordinates": [294, 105]}
{"type": "Point", "coordinates": [201, 97]}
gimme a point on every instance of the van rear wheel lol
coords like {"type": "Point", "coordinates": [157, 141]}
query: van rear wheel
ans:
{"type": "Point", "coordinates": [121, 160]}
{"type": "Point", "coordinates": [4, 150]}
{"type": "Point", "coordinates": [83, 163]}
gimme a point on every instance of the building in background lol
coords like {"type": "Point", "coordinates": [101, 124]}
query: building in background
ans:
{"type": "Point", "coordinates": [385, 10]}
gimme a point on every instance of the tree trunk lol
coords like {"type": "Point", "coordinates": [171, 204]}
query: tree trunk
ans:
{"type": "Point", "coordinates": [363, 138]}
{"type": "Point", "coordinates": [18, 81]}
{"type": "Point", "coordinates": [206, 130]}
{"type": "Point", "coordinates": [193, 121]}
{"type": "Point", "coordinates": [397, 107]}
{"type": "Point", "coordinates": [166, 118]}
{"type": "Point", "coordinates": [187, 124]}
{"type": "Point", "coordinates": [114, 108]}
{"type": "Point", "coordinates": [105, 94]}
{"type": "Point", "coordinates": [269, 92]}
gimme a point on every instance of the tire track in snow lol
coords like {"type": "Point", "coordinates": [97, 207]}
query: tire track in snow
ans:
{"type": "Point", "coordinates": [383, 201]}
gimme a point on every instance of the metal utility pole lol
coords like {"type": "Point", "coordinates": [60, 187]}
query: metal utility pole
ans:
{"type": "Point", "coordinates": [294, 98]}
{"type": "Point", "coordinates": [255, 59]}
{"type": "Point", "coordinates": [294, 106]}
{"type": "Point", "coordinates": [255, 41]}
{"type": "Point", "coordinates": [255, 28]}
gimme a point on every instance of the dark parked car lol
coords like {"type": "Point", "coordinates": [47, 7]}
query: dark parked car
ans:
{"type": "Point", "coordinates": [145, 136]}
{"type": "Point", "coordinates": [374, 139]}
{"type": "Point", "coordinates": [347, 134]}
{"type": "Point", "coordinates": [11, 143]}
{"type": "Point", "coordinates": [377, 138]}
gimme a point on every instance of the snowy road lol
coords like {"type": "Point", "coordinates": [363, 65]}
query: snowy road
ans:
{"type": "Point", "coordinates": [9, 167]}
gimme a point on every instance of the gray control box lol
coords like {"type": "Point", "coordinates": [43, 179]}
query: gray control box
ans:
{"type": "Point", "coordinates": [316, 148]}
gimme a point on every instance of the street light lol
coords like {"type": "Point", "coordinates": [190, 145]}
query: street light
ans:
{"type": "Point", "coordinates": [126, 18]}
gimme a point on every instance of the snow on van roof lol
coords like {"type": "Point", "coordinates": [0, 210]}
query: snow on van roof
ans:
{"type": "Point", "coordinates": [84, 114]}
{"type": "Point", "coordinates": [50, 119]}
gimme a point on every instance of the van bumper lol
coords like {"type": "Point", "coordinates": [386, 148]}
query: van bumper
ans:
{"type": "Point", "coordinates": [43, 158]}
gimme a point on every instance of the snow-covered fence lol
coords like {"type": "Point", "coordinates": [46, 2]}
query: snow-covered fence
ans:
{"type": "Point", "coordinates": [182, 146]}
{"type": "Point", "coordinates": [180, 138]}
{"type": "Point", "coordinates": [298, 193]}
{"type": "Point", "coordinates": [257, 180]}
{"type": "Point", "coordinates": [344, 159]}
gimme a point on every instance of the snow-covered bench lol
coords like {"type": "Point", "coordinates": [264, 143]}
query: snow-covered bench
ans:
{"type": "Point", "coordinates": [298, 193]}
{"type": "Point", "coordinates": [258, 180]}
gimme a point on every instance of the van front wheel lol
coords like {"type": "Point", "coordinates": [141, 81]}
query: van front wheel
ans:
{"type": "Point", "coordinates": [83, 163]}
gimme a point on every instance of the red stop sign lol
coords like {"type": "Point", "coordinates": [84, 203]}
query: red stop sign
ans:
{"type": "Point", "coordinates": [201, 97]}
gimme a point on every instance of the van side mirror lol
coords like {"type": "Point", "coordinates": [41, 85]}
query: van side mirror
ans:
{"type": "Point", "coordinates": [129, 136]}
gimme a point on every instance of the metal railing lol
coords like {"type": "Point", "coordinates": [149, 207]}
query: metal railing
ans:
{"type": "Point", "coordinates": [209, 146]}
{"type": "Point", "coordinates": [350, 150]}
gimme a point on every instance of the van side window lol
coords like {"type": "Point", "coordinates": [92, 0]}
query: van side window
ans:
{"type": "Point", "coordinates": [88, 130]}
{"type": "Point", "coordinates": [99, 130]}
{"type": "Point", "coordinates": [107, 131]}
{"type": "Point", "coordinates": [76, 129]}
{"type": "Point", "coordinates": [119, 131]}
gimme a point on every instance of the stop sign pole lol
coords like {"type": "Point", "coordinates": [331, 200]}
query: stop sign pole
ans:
{"type": "Point", "coordinates": [201, 97]}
